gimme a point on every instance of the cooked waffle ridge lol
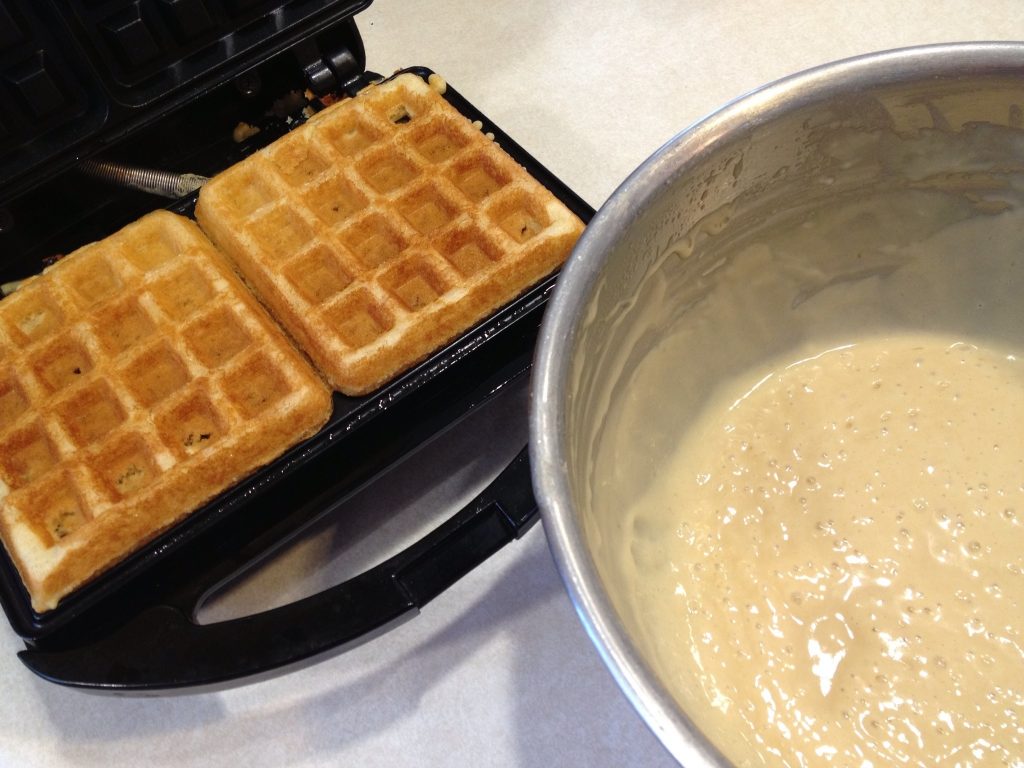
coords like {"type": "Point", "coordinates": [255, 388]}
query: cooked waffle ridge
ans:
{"type": "Point", "coordinates": [138, 379]}
{"type": "Point", "coordinates": [384, 227]}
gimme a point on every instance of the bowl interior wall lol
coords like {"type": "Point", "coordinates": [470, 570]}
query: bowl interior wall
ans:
{"type": "Point", "coordinates": [805, 226]}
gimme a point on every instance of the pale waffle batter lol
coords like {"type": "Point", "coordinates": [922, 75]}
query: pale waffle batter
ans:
{"type": "Point", "coordinates": [384, 227]}
{"type": "Point", "coordinates": [836, 552]}
{"type": "Point", "coordinates": [138, 379]}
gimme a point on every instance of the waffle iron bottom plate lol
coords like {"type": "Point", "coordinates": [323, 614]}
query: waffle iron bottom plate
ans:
{"type": "Point", "coordinates": [133, 629]}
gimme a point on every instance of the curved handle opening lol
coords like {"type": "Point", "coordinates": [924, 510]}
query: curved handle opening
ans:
{"type": "Point", "coordinates": [162, 649]}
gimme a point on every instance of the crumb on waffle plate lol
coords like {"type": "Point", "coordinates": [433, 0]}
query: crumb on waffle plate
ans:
{"type": "Point", "coordinates": [384, 227]}
{"type": "Point", "coordinates": [138, 379]}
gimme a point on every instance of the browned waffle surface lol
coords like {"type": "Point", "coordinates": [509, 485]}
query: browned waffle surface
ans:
{"type": "Point", "coordinates": [383, 228]}
{"type": "Point", "coordinates": [138, 379]}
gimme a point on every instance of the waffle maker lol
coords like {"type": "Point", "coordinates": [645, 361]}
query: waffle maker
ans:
{"type": "Point", "coordinates": [102, 103]}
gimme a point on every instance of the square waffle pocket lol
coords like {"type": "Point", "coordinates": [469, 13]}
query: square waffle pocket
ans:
{"type": "Point", "coordinates": [384, 227]}
{"type": "Point", "coordinates": [138, 379]}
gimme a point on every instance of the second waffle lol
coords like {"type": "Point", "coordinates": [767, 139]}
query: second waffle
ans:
{"type": "Point", "coordinates": [384, 227]}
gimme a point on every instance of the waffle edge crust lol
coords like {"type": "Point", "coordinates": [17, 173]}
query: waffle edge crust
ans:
{"type": "Point", "coordinates": [383, 228]}
{"type": "Point", "coordinates": [138, 379]}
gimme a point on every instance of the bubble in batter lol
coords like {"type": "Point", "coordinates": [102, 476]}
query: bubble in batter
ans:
{"type": "Point", "coordinates": [844, 569]}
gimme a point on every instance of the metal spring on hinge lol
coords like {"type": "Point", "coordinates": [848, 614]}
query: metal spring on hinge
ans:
{"type": "Point", "coordinates": [163, 183]}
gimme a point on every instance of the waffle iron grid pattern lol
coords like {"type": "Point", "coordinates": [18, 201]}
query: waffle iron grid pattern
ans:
{"type": "Point", "coordinates": [384, 227]}
{"type": "Point", "coordinates": [138, 379]}
{"type": "Point", "coordinates": [148, 47]}
{"type": "Point", "coordinates": [40, 80]}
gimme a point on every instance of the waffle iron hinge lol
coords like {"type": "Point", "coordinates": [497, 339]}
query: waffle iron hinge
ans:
{"type": "Point", "coordinates": [327, 68]}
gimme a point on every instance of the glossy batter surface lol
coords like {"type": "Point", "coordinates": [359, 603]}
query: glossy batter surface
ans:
{"type": "Point", "coordinates": [838, 559]}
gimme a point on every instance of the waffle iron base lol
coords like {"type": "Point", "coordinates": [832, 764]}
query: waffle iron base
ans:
{"type": "Point", "coordinates": [133, 630]}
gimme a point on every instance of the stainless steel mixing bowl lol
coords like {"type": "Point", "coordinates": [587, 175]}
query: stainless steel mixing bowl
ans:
{"type": "Point", "coordinates": [862, 126]}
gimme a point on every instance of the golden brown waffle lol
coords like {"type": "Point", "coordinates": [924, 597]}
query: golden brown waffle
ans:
{"type": "Point", "coordinates": [138, 379]}
{"type": "Point", "coordinates": [383, 228]}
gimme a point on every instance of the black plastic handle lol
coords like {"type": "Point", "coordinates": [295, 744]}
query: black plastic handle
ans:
{"type": "Point", "coordinates": [162, 649]}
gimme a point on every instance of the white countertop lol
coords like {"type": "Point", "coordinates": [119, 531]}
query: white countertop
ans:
{"type": "Point", "coordinates": [497, 671]}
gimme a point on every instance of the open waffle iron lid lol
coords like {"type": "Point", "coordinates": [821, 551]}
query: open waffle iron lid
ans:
{"type": "Point", "coordinates": [167, 82]}
{"type": "Point", "coordinates": [76, 75]}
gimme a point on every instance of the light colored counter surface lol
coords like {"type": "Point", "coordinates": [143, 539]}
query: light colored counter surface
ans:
{"type": "Point", "coordinates": [497, 671]}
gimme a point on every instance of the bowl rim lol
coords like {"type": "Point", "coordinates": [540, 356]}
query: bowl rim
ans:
{"type": "Point", "coordinates": [575, 287]}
